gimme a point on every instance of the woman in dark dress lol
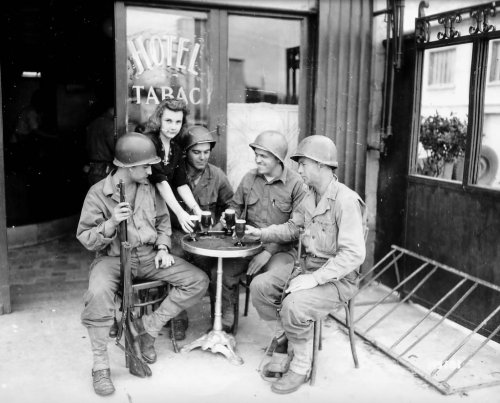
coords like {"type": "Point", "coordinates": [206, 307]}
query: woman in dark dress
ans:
{"type": "Point", "coordinates": [163, 127]}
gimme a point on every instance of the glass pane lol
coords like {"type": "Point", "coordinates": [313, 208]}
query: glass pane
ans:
{"type": "Point", "coordinates": [263, 86]}
{"type": "Point", "coordinates": [445, 103]}
{"type": "Point", "coordinates": [488, 169]}
{"type": "Point", "coordinates": [167, 57]}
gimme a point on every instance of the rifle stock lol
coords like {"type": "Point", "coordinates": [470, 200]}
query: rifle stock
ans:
{"type": "Point", "coordinates": [133, 356]}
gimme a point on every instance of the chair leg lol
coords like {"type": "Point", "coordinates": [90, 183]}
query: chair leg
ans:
{"type": "Point", "coordinates": [348, 318]}
{"type": "Point", "coordinates": [247, 294]}
{"type": "Point", "coordinates": [236, 310]}
{"type": "Point", "coordinates": [316, 342]}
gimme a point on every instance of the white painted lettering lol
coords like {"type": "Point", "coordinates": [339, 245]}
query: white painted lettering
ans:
{"type": "Point", "coordinates": [155, 50]}
{"type": "Point", "coordinates": [139, 53]}
{"type": "Point", "coordinates": [180, 52]}
{"type": "Point", "coordinates": [191, 96]}
{"type": "Point", "coordinates": [166, 92]}
{"type": "Point", "coordinates": [138, 89]}
{"type": "Point", "coordinates": [152, 96]}
{"type": "Point", "coordinates": [192, 61]}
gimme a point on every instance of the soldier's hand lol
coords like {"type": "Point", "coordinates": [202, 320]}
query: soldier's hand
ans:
{"type": "Point", "coordinates": [163, 259]}
{"type": "Point", "coordinates": [185, 222]}
{"type": "Point", "coordinates": [302, 282]}
{"type": "Point", "coordinates": [258, 262]}
{"type": "Point", "coordinates": [252, 233]}
{"type": "Point", "coordinates": [222, 220]}
{"type": "Point", "coordinates": [121, 212]}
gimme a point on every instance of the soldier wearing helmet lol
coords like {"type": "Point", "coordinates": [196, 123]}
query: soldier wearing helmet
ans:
{"type": "Point", "coordinates": [211, 190]}
{"type": "Point", "coordinates": [265, 196]}
{"type": "Point", "coordinates": [331, 215]}
{"type": "Point", "coordinates": [149, 235]}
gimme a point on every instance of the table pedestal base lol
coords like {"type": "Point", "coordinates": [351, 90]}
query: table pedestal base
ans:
{"type": "Point", "coordinates": [216, 341]}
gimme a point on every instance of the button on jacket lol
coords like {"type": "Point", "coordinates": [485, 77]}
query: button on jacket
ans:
{"type": "Point", "coordinates": [269, 202]}
{"type": "Point", "coordinates": [333, 231]}
{"type": "Point", "coordinates": [149, 224]}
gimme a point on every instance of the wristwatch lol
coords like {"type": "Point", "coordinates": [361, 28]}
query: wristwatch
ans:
{"type": "Point", "coordinates": [162, 247]}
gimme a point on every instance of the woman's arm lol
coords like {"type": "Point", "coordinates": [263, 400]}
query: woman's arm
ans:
{"type": "Point", "coordinates": [186, 194]}
{"type": "Point", "coordinates": [169, 197]}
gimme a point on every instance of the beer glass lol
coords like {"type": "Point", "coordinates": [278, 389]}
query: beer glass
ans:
{"type": "Point", "coordinates": [196, 227]}
{"type": "Point", "coordinates": [239, 229]}
{"type": "Point", "coordinates": [206, 221]}
{"type": "Point", "coordinates": [230, 217]}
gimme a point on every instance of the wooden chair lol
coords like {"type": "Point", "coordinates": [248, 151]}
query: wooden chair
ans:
{"type": "Point", "coordinates": [349, 307]}
{"type": "Point", "coordinates": [317, 340]}
{"type": "Point", "coordinates": [149, 295]}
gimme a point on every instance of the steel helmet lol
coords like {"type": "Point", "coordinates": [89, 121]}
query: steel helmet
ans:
{"type": "Point", "coordinates": [318, 148]}
{"type": "Point", "coordinates": [273, 142]}
{"type": "Point", "coordinates": [133, 149]}
{"type": "Point", "coordinates": [198, 135]}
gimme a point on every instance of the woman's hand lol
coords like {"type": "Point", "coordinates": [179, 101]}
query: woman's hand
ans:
{"type": "Point", "coordinates": [184, 221]}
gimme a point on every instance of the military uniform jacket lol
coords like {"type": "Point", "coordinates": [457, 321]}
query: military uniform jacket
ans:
{"type": "Point", "coordinates": [265, 203]}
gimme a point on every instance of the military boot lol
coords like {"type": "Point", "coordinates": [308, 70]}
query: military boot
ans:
{"type": "Point", "coordinates": [101, 375]}
{"type": "Point", "coordinates": [280, 359]}
{"type": "Point", "coordinates": [289, 383]}
{"type": "Point", "coordinates": [101, 380]}
{"type": "Point", "coordinates": [147, 343]}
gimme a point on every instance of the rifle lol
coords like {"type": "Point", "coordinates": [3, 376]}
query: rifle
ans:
{"type": "Point", "coordinates": [127, 327]}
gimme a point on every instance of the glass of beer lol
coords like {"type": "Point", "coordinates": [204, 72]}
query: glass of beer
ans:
{"type": "Point", "coordinates": [239, 229]}
{"type": "Point", "coordinates": [196, 227]}
{"type": "Point", "coordinates": [230, 217]}
{"type": "Point", "coordinates": [206, 221]}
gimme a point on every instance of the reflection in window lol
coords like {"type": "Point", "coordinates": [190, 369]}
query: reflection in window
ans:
{"type": "Point", "coordinates": [441, 67]}
{"type": "Point", "coordinates": [443, 124]}
{"type": "Point", "coordinates": [488, 173]}
{"type": "Point", "coordinates": [494, 62]}
{"type": "Point", "coordinates": [263, 86]}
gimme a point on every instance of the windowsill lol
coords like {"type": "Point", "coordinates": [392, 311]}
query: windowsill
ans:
{"type": "Point", "coordinates": [453, 185]}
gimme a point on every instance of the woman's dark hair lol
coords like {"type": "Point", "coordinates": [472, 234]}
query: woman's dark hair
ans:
{"type": "Point", "coordinates": [175, 105]}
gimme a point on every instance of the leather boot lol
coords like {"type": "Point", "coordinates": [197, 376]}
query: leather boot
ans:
{"type": "Point", "coordinates": [101, 379]}
{"type": "Point", "coordinates": [146, 342]}
{"type": "Point", "coordinates": [113, 330]}
{"type": "Point", "coordinates": [279, 364]}
{"type": "Point", "coordinates": [228, 319]}
{"type": "Point", "coordinates": [99, 341]}
{"type": "Point", "coordinates": [289, 383]}
{"type": "Point", "coordinates": [147, 347]}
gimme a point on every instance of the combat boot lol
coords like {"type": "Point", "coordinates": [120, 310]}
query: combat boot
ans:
{"type": "Point", "coordinates": [101, 380]}
{"type": "Point", "coordinates": [147, 347]}
{"type": "Point", "coordinates": [289, 383]}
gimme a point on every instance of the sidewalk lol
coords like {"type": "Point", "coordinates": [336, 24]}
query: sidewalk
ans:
{"type": "Point", "coordinates": [46, 358]}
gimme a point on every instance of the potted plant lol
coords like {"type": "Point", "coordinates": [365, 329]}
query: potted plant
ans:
{"type": "Point", "coordinates": [443, 139]}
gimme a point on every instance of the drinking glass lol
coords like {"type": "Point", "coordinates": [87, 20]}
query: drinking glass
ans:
{"type": "Point", "coordinates": [239, 229]}
{"type": "Point", "coordinates": [230, 217]}
{"type": "Point", "coordinates": [196, 227]}
{"type": "Point", "coordinates": [206, 221]}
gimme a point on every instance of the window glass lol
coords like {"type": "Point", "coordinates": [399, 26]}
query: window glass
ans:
{"type": "Point", "coordinates": [167, 57]}
{"type": "Point", "coordinates": [263, 86]}
{"type": "Point", "coordinates": [488, 173]}
{"type": "Point", "coordinates": [444, 108]}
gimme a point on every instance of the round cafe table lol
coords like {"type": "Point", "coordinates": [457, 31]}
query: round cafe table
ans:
{"type": "Point", "coordinates": [218, 244]}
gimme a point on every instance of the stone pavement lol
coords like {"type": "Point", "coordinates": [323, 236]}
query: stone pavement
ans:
{"type": "Point", "coordinates": [46, 358]}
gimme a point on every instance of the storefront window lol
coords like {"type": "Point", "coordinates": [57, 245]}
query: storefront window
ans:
{"type": "Point", "coordinates": [167, 57]}
{"type": "Point", "coordinates": [263, 83]}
